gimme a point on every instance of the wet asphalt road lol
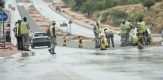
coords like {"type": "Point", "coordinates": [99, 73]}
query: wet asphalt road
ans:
{"type": "Point", "coordinates": [81, 64]}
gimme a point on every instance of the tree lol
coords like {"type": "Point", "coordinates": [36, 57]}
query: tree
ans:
{"type": "Point", "coordinates": [89, 7]}
{"type": "Point", "coordinates": [148, 3]}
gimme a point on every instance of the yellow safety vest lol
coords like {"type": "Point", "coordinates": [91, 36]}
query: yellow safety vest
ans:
{"type": "Point", "coordinates": [123, 28]}
{"type": "Point", "coordinates": [128, 24]}
{"type": "Point", "coordinates": [18, 30]}
{"type": "Point", "coordinates": [142, 27]}
{"type": "Point", "coordinates": [24, 28]}
{"type": "Point", "coordinates": [103, 42]}
{"type": "Point", "coordinates": [134, 39]}
{"type": "Point", "coordinates": [97, 30]}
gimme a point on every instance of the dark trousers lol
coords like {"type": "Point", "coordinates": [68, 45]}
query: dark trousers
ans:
{"type": "Point", "coordinates": [140, 40]}
{"type": "Point", "coordinates": [110, 40]}
{"type": "Point", "coordinates": [145, 37]}
{"type": "Point", "coordinates": [19, 43]}
{"type": "Point", "coordinates": [97, 40]}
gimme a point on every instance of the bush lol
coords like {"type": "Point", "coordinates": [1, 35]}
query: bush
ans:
{"type": "Point", "coordinates": [148, 3]}
{"type": "Point", "coordinates": [104, 16]}
{"type": "Point", "coordinates": [155, 10]}
{"type": "Point", "coordinates": [136, 16]}
{"type": "Point", "coordinates": [116, 14]}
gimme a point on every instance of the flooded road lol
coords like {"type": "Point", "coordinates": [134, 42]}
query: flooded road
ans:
{"type": "Point", "coordinates": [81, 64]}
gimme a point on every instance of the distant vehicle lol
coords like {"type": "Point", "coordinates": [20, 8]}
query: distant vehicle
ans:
{"type": "Point", "coordinates": [40, 39]}
{"type": "Point", "coordinates": [63, 24]}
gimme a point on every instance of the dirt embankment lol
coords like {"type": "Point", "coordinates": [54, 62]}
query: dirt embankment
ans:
{"type": "Point", "coordinates": [153, 17]}
{"type": "Point", "coordinates": [77, 17]}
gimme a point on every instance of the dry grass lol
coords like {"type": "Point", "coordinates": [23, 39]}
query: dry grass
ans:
{"type": "Point", "coordinates": [153, 17]}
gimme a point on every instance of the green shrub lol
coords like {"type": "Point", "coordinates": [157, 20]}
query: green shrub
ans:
{"type": "Point", "coordinates": [148, 3]}
{"type": "Point", "coordinates": [104, 16]}
{"type": "Point", "coordinates": [116, 14]}
{"type": "Point", "coordinates": [136, 16]}
{"type": "Point", "coordinates": [155, 10]}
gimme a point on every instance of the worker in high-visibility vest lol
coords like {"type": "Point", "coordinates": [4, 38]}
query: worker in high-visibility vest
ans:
{"type": "Point", "coordinates": [65, 41]}
{"type": "Point", "coordinates": [141, 30]}
{"type": "Point", "coordinates": [25, 32]}
{"type": "Point", "coordinates": [123, 31]}
{"type": "Point", "coordinates": [80, 42]}
{"type": "Point", "coordinates": [96, 31]}
{"type": "Point", "coordinates": [129, 26]}
{"type": "Point", "coordinates": [133, 40]}
{"type": "Point", "coordinates": [109, 36]}
{"type": "Point", "coordinates": [52, 34]}
{"type": "Point", "coordinates": [103, 42]}
{"type": "Point", "coordinates": [18, 35]}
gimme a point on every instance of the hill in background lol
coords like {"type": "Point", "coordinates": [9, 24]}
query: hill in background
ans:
{"type": "Point", "coordinates": [113, 11]}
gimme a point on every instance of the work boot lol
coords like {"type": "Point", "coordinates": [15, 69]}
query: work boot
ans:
{"type": "Point", "coordinates": [53, 53]}
{"type": "Point", "coordinates": [103, 49]}
{"type": "Point", "coordinates": [26, 49]}
{"type": "Point", "coordinates": [49, 51]}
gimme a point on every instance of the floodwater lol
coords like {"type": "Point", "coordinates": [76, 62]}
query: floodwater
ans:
{"type": "Point", "coordinates": [81, 64]}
